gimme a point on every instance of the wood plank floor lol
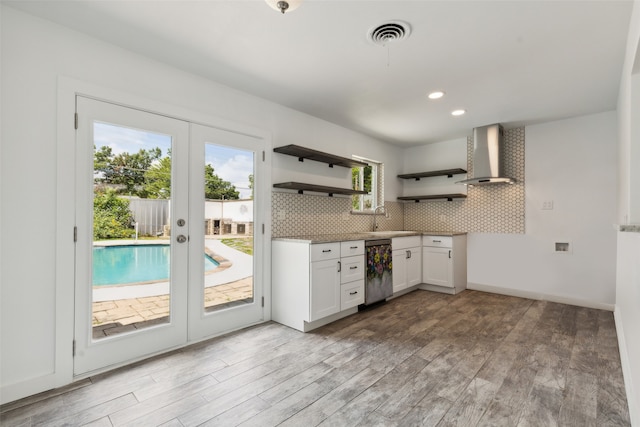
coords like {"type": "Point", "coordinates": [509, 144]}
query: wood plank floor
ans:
{"type": "Point", "coordinates": [423, 359]}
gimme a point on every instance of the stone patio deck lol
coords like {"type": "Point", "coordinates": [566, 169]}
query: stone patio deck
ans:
{"type": "Point", "coordinates": [125, 315]}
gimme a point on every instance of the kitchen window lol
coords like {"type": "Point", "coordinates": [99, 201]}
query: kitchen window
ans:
{"type": "Point", "coordinates": [367, 178]}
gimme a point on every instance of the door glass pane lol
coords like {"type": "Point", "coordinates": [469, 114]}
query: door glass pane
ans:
{"type": "Point", "coordinates": [228, 227]}
{"type": "Point", "coordinates": [131, 233]}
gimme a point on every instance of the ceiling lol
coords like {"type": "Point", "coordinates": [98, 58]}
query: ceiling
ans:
{"type": "Point", "coordinates": [514, 62]}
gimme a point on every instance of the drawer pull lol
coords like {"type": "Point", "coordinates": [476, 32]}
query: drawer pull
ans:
{"type": "Point", "coordinates": [437, 241]}
{"type": "Point", "coordinates": [353, 293]}
{"type": "Point", "coordinates": [353, 268]}
{"type": "Point", "coordinates": [353, 247]}
{"type": "Point", "coordinates": [326, 250]}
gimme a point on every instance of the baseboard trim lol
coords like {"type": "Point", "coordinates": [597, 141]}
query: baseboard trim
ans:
{"type": "Point", "coordinates": [634, 411]}
{"type": "Point", "coordinates": [540, 296]}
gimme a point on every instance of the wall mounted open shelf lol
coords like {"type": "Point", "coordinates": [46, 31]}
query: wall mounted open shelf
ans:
{"type": "Point", "coordinates": [307, 153]}
{"type": "Point", "coordinates": [445, 172]}
{"type": "Point", "coordinates": [448, 197]}
{"type": "Point", "coordinates": [301, 187]}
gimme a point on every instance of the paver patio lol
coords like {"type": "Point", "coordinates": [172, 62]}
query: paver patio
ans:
{"type": "Point", "coordinates": [125, 315]}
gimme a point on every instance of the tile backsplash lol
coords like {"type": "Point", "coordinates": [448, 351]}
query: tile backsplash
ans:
{"type": "Point", "coordinates": [302, 214]}
{"type": "Point", "coordinates": [496, 208]}
{"type": "Point", "coordinates": [487, 209]}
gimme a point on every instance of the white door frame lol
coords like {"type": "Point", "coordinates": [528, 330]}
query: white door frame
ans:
{"type": "Point", "coordinates": [68, 88]}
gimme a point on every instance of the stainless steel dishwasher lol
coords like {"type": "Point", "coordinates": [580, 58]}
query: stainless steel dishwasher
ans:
{"type": "Point", "coordinates": [379, 281]}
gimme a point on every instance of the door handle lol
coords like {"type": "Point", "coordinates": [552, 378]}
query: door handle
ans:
{"type": "Point", "coordinates": [181, 239]}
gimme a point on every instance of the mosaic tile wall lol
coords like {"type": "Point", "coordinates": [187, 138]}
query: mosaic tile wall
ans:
{"type": "Point", "coordinates": [488, 209]}
{"type": "Point", "coordinates": [302, 214]}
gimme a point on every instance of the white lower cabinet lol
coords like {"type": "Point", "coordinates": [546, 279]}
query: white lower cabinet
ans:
{"type": "Point", "coordinates": [407, 262]}
{"type": "Point", "coordinates": [352, 281]}
{"type": "Point", "coordinates": [444, 263]}
{"type": "Point", "coordinates": [325, 289]}
{"type": "Point", "coordinates": [312, 284]}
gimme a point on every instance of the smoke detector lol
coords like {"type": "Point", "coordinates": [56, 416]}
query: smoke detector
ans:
{"type": "Point", "coordinates": [389, 32]}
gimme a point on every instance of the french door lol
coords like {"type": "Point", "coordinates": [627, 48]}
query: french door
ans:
{"type": "Point", "coordinates": [159, 263]}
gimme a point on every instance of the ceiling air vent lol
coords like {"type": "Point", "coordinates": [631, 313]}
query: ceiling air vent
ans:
{"type": "Point", "coordinates": [388, 32]}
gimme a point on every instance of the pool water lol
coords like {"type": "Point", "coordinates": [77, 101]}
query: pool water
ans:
{"type": "Point", "coordinates": [120, 265]}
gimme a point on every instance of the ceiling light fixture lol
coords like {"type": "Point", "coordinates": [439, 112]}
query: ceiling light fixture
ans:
{"type": "Point", "coordinates": [284, 6]}
{"type": "Point", "coordinates": [436, 95]}
{"type": "Point", "coordinates": [458, 112]}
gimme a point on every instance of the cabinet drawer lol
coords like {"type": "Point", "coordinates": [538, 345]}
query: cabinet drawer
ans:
{"type": "Point", "coordinates": [352, 294]}
{"type": "Point", "coordinates": [437, 241]}
{"type": "Point", "coordinates": [405, 242]}
{"type": "Point", "coordinates": [352, 268]}
{"type": "Point", "coordinates": [322, 251]}
{"type": "Point", "coordinates": [355, 247]}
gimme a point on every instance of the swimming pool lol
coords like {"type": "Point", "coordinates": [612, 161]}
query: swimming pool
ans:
{"type": "Point", "coordinates": [128, 264]}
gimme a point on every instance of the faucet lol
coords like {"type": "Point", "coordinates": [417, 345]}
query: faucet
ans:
{"type": "Point", "coordinates": [375, 216]}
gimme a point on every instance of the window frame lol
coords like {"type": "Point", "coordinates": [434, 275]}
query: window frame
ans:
{"type": "Point", "coordinates": [377, 186]}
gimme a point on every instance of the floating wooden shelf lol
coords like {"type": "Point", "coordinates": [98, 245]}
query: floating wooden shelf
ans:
{"type": "Point", "coordinates": [446, 172]}
{"type": "Point", "coordinates": [449, 197]}
{"type": "Point", "coordinates": [307, 153]}
{"type": "Point", "coordinates": [301, 187]}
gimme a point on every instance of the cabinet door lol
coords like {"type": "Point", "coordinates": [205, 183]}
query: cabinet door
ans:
{"type": "Point", "coordinates": [414, 266]}
{"type": "Point", "coordinates": [399, 270]}
{"type": "Point", "coordinates": [325, 289]}
{"type": "Point", "coordinates": [437, 266]}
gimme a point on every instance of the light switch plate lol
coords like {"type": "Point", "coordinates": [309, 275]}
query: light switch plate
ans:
{"type": "Point", "coordinates": [547, 205]}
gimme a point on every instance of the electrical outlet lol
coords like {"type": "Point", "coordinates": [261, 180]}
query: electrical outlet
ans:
{"type": "Point", "coordinates": [547, 205]}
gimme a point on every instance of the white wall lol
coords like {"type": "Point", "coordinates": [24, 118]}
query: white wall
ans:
{"type": "Point", "coordinates": [432, 157]}
{"type": "Point", "coordinates": [572, 163]}
{"type": "Point", "coordinates": [628, 266]}
{"type": "Point", "coordinates": [35, 53]}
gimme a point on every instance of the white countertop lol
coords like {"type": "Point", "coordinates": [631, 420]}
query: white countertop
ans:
{"type": "Point", "coordinates": [343, 237]}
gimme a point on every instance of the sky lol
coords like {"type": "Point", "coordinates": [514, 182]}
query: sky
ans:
{"type": "Point", "coordinates": [231, 164]}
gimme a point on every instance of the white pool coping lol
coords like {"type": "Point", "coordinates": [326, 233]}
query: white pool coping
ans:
{"type": "Point", "coordinates": [241, 267]}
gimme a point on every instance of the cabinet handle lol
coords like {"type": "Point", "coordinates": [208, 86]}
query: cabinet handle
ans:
{"type": "Point", "coordinates": [339, 266]}
{"type": "Point", "coordinates": [353, 293]}
{"type": "Point", "coordinates": [353, 247]}
{"type": "Point", "coordinates": [326, 250]}
{"type": "Point", "coordinates": [353, 268]}
{"type": "Point", "coordinates": [408, 254]}
{"type": "Point", "coordinates": [449, 254]}
{"type": "Point", "coordinates": [437, 241]}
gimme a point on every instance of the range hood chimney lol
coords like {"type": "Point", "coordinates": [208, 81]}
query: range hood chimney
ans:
{"type": "Point", "coordinates": [488, 143]}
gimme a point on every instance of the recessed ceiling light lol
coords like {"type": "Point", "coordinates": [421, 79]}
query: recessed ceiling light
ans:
{"type": "Point", "coordinates": [436, 95]}
{"type": "Point", "coordinates": [458, 112]}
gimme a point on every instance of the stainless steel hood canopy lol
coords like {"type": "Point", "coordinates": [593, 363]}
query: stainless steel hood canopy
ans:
{"type": "Point", "coordinates": [488, 144]}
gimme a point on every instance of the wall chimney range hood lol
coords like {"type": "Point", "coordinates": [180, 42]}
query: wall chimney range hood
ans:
{"type": "Point", "coordinates": [488, 144]}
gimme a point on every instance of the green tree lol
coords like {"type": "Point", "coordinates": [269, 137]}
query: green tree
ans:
{"type": "Point", "coordinates": [251, 185]}
{"type": "Point", "coordinates": [112, 218]}
{"type": "Point", "coordinates": [158, 182]}
{"type": "Point", "coordinates": [217, 188]}
{"type": "Point", "coordinates": [158, 179]}
{"type": "Point", "coordinates": [126, 171]}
